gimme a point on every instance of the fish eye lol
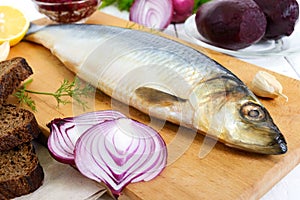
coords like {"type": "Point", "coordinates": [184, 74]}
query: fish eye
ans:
{"type": "Point", "coordinates": [253, 112]}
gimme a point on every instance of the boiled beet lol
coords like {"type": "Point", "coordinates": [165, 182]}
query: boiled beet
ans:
{"type": "Point", "coordinates": [281, 15]}
{"type": "Point", "coordinates": [231, 24]}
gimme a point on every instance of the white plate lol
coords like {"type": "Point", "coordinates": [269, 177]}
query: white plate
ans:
{"type": "Point", "coordinates": [284, 46]}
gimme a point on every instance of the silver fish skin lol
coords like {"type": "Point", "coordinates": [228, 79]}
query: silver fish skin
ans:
{"type": "Point", "coordinates": [165, 79]}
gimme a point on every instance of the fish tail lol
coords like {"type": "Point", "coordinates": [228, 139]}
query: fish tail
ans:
{"type": "Point", "coordinates": [34, 28]}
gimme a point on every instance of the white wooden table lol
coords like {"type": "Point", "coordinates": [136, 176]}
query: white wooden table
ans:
{"type": "Point", "coordinates": [288, 187]}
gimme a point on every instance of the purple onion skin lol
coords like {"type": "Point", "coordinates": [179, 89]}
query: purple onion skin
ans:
{"type": "Point", "coordinates": [60, 153]}
{"type": "Point", "coordinates": [182, 9]}
{"type": "Point", "coordinates": [118, 154]}
{"type": "Point", "coordinates": [65, 132]}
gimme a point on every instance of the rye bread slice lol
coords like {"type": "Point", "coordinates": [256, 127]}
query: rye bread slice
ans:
{"type": "Point", "coordinates": [20, 171]}
{"type": "Point", "coordinates": [17, 126]}
{"type": "Point", "coordinates": [12, 73]}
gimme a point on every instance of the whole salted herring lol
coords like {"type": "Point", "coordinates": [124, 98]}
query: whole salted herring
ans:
{"type": "Point", "coordinates": [165, 79]}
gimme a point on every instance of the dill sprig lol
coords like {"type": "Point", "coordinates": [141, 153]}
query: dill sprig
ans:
{"type": "Point", "coordinates": [74, 89]}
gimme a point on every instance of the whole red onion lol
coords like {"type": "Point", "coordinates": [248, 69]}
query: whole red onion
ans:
{"type": "Point", "coordinates": [182, 9]}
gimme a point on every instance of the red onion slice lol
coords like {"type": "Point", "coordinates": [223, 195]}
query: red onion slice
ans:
{"type": "Point", "coordinates": [119, 152]}
{"type": "Point", "coordinates": [65, 132]}
{"type": "Point", "coordinates": [152, 13]}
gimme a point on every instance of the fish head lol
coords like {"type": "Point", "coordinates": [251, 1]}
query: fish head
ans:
{"type": "Point", "coordinates": [232, 114]}
{"type": "Point", "coordinates": [249, 126]}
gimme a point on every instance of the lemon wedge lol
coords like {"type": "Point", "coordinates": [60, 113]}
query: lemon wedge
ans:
{"type": "Point", "coordinates": [13, 25]}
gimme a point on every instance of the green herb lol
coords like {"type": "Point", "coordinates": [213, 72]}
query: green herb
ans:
{"type": "Point", "coordinates": [75, 89]}
{"type": "Point", "coordinates": [124, 4]}
{"type": "Point", "coordinates": [198, 3]}
{"type": "Point", "coordinates": [23, 97]}
{"type": "Point", "coordinates": [121, 4]}
{"type": "Point", "coordinates": [105, 3]}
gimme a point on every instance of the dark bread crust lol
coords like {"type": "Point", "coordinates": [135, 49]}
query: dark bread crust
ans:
{"type": "Point", "coordinates": [12, 73]}
{"type": "Point", "coordinates": [17, 126]}
{"type": "Point", "coordinates": [20, 171]}
{"type": "Point", "coordinates": [22, 174]}
{"type": "Point", "coordinates": [23, 185]}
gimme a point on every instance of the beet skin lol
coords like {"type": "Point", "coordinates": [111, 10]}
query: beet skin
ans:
{"type": "Point", "coordinates": [281, 15]}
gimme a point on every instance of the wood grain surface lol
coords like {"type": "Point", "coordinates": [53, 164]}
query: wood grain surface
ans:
{"type": "Point", "coordinates": [224, 173]}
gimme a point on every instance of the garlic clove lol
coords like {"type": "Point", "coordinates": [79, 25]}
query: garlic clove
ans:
{"type": "Point", "coordinates": [266, 85]}
{"type": "Point", "coordinates": [4, 50]}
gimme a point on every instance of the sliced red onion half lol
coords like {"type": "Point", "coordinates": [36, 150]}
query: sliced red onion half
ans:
{"type": "Point", "coordinates": [155, 14]}
{"type": "Point", "coordinates": [65, 132]}
{"type": "Point", "coordinates": [119, 152]}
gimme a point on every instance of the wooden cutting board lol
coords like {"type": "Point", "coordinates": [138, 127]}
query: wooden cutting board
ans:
{"type": "Point", "coordinates": [224, 173]}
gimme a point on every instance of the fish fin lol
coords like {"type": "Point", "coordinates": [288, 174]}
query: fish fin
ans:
{"type": "Point", "coordinates": [153, 96]}
{"type": "Point", "coordinates": [213, 133]}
